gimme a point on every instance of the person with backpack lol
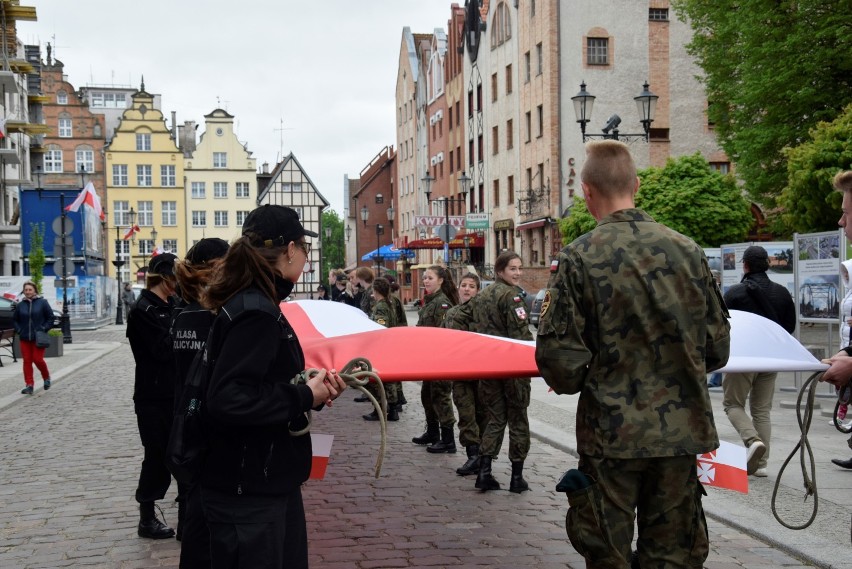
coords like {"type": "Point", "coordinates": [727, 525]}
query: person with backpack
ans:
{"type": "Point", "coordinates": [758, 295]}
{"type": "Point", "coordinates": [189, 329]}
{"type": "Point", "coordinates": [257, 400]}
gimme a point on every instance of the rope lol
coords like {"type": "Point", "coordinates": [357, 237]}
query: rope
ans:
{"type": "Point", "coordinates": [804, 419]}
{"type": "Point", "coordinates": [356, 374]}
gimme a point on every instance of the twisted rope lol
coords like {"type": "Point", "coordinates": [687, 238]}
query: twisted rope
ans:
{"type": "Point", "coordinates": [356, 374]}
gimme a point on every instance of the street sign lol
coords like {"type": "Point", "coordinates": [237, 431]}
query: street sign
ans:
{"type": "Point", "coordinates": [447, 232]}
{"type": "Point", "coordinates": [57, 225]}
{"type": "Point", "coordinates": [57, 267]}
{"type": "Point", "coordinates": [477, 221]}
{"type": "Point", "coordinates": [436, 220]}
{"type": "Point", "coordinates": [60, 283]}
{"type": "Point", "coordinates": [69, 247]}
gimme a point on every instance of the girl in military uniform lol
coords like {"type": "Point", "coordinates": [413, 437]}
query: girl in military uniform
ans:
{"type": "Point", "coordinates": [385, 314]}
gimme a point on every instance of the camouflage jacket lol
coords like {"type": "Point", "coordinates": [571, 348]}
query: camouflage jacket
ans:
{"type": "Point", "coordinates": [434, 309]}
{"type": "Point", "coordinates": [384, 314]}
{"type": "Point", "coordinates": [632, 320]}
{"type": "Point", "coordinates": [499, 310]}
{"type": "Point", "coordinates": [459, 316]}
{"type": "Point", "coordinates": [367, 301]}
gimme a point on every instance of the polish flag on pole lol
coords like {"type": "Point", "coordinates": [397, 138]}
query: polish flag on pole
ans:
{"type": "Point", "coordinates": [2, 129]}
{"type": "Point", "coordinates": [131, 231]}
{"type": "Point", "coordinates": [724, 467]}
{"type": "Point", "coordinates": [89, 197]}
{"type": "Point", "coordinates": [322, 450]}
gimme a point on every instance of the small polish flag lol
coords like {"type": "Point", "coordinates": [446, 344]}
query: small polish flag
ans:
{"type": "Point", "coordinates": [155, 252]}
{"type": "Point", "coordinates": [724, 467]}
{"type": "Point", "coordinates": [131, 231]}
{"type": "Point", "coordinates": [554, 265]}
{"type": "Point", "coordinates": [322, 450]}
{"type": "Point", "coordinates": [89, 197]}
{"type": "Point", "coordinates": [2, 129]}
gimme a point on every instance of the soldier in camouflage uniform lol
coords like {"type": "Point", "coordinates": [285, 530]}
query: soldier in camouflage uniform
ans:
{"type": "Point", "coordinates": [632, 320]}
{"type": "Point", "coordinates": [385, 314]}
{"type": "Point", "coordinates": [466, 393]}
{"type": "Point", "coordinates": [364, 277]}
{"type": "Point", "coordinates": [436, 396]}
{"type": "Point", "coordinates": [500, 310]}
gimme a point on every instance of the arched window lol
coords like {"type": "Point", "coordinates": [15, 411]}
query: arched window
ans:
{"type": "Point", "coordinates": [501, 26]}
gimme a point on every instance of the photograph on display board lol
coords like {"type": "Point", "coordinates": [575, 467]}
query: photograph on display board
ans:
{"type": "Point", "coordinates": [781, 263]}
{"type": "Point", "coordinates": [818, 266]}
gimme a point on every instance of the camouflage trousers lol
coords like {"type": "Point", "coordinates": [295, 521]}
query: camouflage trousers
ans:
{"type": "Point", "coordinates": [665, 495]}
{"type": "Point", "coordinates": [505, 402]}
{"type": "Point", "coordinates": [436, 397]}
{"type": "Point", "coordinates": [471, 412]}
{"type": "Point", "coordinates": [392, 391]}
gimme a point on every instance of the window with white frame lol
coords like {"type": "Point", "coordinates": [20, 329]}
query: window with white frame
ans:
{"type": "Point", "coordinates": [145, 213]}
{"type": "Point", "coordinates": [143, 142]}
{"type": "Point", "coordinates": [242, 189]}
{"type": "Point", "coordinates": [61, 98]}
{"type": "Point", "coordinates": [241, 217]}
{"type": "Point", "coordinates": [119, 175]}
{"type": "Point", "coordinates": [144, 175]}
{"type": "Point", "coordinates": [597, 51]}
{"type": "Point", "coordinates": [539, 53]}
{"type": "Point", "coordinates": [122, 248]}
{"type": "Point", "coordinates": [53, 160]}
{"type": "Point", "coordinates": [220, 218]}
{"type": "Point", "coordinates": [199, 190]}
{"type": "Point", "coordinates": [169, 214]}
{"type": "Point", "coordinates": [146, 246]}
{"type": "Point", "coordinates": [199, 218]}
{"type": "Point", "coordinates": [170, 245]}
{"type": "Point", "coordinates": [220, 189]}
{"type": "Point", "coordinates": [85, 161]}
{"type": "Point", "coordinates": [65, 130]}
{"type": "Point", "coordinates": [501, 30]}
{"type": "Point", "coordinates": [167, 175]}
{"type": "Point", "coordinates": [220, 159]}
{"type": "Point", "coordinates": [291, 187]}
{"type": "Point", "coordinates": [121, 213]}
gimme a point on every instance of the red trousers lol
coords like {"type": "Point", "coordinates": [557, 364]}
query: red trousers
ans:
{"type": "Point", "coordinates": [32, 354]}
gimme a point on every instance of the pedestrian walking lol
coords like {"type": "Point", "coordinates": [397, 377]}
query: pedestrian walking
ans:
{"type": "Point", "coordinates": [258, 451]}
{"type": "Point", "coordinates": [759, 295]}
{"type": "Point", "coordinates": [127, 299]}
{"type": "Point", "coordinates": [632, 320]}
{"type": "Point", "coordinates": [153, 388]}
{"type": "Point", "coordinates": [471, 412]}
{"type": "Point", "coordinates": [32, 315]}
{"type": "Point", "coordinates": [189, 329]}
{"type": "Point", "coordinates": [436, 396]}
{"type": "Point", "coordinates": [500, 310]}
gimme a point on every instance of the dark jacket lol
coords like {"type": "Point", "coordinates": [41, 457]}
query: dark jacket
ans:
{"type": "Point", "coordinates": [251, 404]}
{"type": "Point", "coordinates": [31, 316]}
{"type": "Point", "coordinates": [148, 333]}
{"type": "Point", "coordinates": [188, 333]}
{"type": "Point", "coordinates": [759, 295]}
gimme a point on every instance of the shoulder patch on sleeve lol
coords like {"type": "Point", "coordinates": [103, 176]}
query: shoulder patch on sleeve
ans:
{"type": "Point", "coordinates": [554, 265]}
{"type": "Point", "coordinates": [545, 304]}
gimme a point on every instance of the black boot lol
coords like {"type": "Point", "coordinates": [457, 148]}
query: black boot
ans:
{"type": "Point", "coordinates": [842, 463]}
{"type": "Point", "coordinates": [430, 436]}
{"type": "Point", "coordinates": [472, 464]}
{"type": "Point", "coordinates": [150, 526]}
{"type": "Point", "coordinates": [446, 444]}
{"type": "Point", "coordinates": [484, 480]}
{"type": "Point", "coordinates": [517, 484]}
{"type": "Point", "coordinates": [393, 413]}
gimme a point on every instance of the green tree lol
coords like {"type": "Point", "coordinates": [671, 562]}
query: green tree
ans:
{"type": "Point", "coordinates": [36, 254]}
{"type": "Point", "coordinates": [686, 195]}
{"type": "Point", "coordinates": [334, 248]}
{"type": "Point", "coordinates": [772, 69]}
{"type": "Point", "coordinates": [809, 201]}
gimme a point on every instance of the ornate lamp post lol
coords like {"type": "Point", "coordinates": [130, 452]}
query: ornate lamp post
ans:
{"type": "Point", "coordinates": [118, 262]}
{"type": "Point", "coordinates": [646, 102]}
{"type": "Point", "coordinates": [445, 232]}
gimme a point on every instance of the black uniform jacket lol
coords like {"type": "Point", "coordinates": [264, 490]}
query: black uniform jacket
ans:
{"type": "Point", "coordinates": [148, 333]}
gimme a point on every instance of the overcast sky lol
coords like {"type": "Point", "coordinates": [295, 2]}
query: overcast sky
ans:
{"type": "Point", "coordinates": [326, 67]}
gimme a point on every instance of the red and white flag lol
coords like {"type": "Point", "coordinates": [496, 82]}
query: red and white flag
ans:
{"type": "Point", "coordinates": [322, 450]}
{"type": "Point", "coordinates": [131, 231]}
{"type": "Point", "coordinates": [2, 129]}
{"type": "Point", "coordinates": [156, 251]}
{"type": "Point", "coordinates": [89, 197]}
{"type": "Point", "coordinates": [724, 467]}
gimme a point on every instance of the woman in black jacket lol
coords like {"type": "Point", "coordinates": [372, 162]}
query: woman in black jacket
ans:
{"type": "Point", "coordinates": [255, 465]}
{"type": "Point", "coordinates": [32, 314]}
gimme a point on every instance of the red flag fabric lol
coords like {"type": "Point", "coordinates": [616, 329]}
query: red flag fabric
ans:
{"type": "Point", "coordinates": [89, 197]}
{"type": "Point", "coordinates": [724, 467]}
{"type": "Point", "coordinates": [321, 445]}
{"type": "Point", "coordinates": [131, 231]}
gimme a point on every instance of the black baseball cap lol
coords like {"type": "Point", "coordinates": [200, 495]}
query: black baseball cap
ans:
{"type": "Point", "coordinates": [206, 250]}
{"type": "Point", "coordinates": [755, 253]}
{"type": "Point", "coordinates": [274, 226]}
{"type": "Point", "coordinates": [162, 264]}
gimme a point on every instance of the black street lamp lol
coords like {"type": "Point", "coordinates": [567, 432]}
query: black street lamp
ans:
{"type": "Point", "coordinates": [118, 262]}
{"type": "Point", "coordinates": [153, 245]}
{"type": "Point", "coordinates": [380, 230]}
{"type": "Point", "coordinates": [464, 187]}
{"type": "Point", "coordinates": [646, 102]}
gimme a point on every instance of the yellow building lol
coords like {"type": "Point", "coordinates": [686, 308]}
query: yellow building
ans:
{"type": "Point", "coordinates": [144, 182]}
{"type": "Point", "coordinates": [221, 182]}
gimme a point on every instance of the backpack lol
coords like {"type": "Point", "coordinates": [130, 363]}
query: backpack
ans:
{"type": "Point", "coordinates": [188, 444]}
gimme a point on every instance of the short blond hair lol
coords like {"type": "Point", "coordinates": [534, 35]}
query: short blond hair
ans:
{"type": "Point", "coordinates": [609, 168]}
{"type": "Point", "coordinates": [843, 181]}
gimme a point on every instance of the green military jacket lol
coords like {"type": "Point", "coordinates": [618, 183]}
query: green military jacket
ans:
{"type": "Point", "coordinates": [459, 317]}
{"type": "Point", "coordinates": [367, 301]}
{"type": "Point", "coordinates": [500, 310]}
{"type": "Point", "coordinates": [632, 320]}
{"type": "Point", "coordinates": [434, 309]}
{"type": "Point", "coordinates": [384, 314]}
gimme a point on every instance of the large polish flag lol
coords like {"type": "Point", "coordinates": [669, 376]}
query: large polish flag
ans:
{"type": "Point", "coordinates": [724, 467]}
{"type": "Point", "coordinates": [89, 197]}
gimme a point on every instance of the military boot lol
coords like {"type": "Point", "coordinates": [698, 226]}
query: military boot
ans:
{"type": "Point", "coordinates": [484, 480]}
{"type": "Point", "coordinates": [150, 526]}
{"type": "Point", "coordinates": [472, 464]}
{"type": "Point", "coordinates": [446, 444]}
{"type": "Point", "coordinates": [430, 436]}
{"type": "Point", "coordinates": [517, 484]}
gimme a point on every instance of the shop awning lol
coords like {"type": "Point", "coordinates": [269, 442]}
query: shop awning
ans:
{"type": "Point", "coordinates": [533, 224]}
{"type": "Point", "coordinates": [457, 243]}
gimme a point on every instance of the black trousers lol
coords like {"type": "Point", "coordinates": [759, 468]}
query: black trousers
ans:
{"type": "Point", "coordinates": [155, 421]}
{"type": "Point", "coordinates": [195, 537]}
{"type": "Point", "coordinates": [256, 532]}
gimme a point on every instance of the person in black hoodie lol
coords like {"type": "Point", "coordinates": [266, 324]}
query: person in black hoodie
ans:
{"type": "Point", "coordinates": [189, 329]}
{"type": "Point", "coordinates": [153, 388]}
{"type": "Point", "coordinates": [759, 295]}
{"type": "Point", "coordinates": [257, 459]}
